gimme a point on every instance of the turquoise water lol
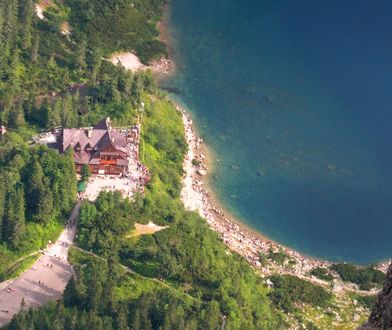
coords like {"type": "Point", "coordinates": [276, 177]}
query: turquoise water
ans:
{"type": "Point", "coordinates": [294, 98]}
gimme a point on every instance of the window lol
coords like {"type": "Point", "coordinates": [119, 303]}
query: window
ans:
{"type": "Point", "coordinates": [78, 148]}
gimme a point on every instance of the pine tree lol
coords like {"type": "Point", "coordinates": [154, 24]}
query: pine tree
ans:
{"type": "Point", "coordinates": [17, 117]}
{"type": "Point", "coordinates": [68, 114]}
{"type": "Point", "coordinates": [2, 208]}
{"type": "Point", "coordinates": [20, 228]}
{"type": "Point", "coordinates": [114, 92]}
{"type": "Point", "coordinates": [81, 56]}
{"type": "Point", "coordinates": [16, 75]}
{"type": "Point", "coordinates": [96, 62]}
{"type": "Point", "coordinates": [14, 225]}
{"type": "Point", "coordinates": [10, 25]}
{"type": "Point", "coordinates": [70, 294]}
{"type": "Point", "coordinates": [72, 320]}
{"type": "Point", "coordinates": [85, 173]}
{"type": "Point", "coordinates": [121, 318]}
{"type": "Point", "coordinates": [94, 294]}
{"type": "Point", "coordinates": [212, 316]}
{"type": "Point", "coordinates": [68, 188]}
{"type": "Point", "coordinates": [45, 207]}
{"type": "Point", "coordinates": [136, 321]}
{"type": "Point", "coordinates": [35, 48]}
{"type": "Point", "coordinates": [1, 20]}
{"type": "Point", "coordinates": [60, 315]}
{"type": "Point", "coordinates": [26, 15]}
{"type": "Point", "coordinates": [18, 322]}
{"type": "Point", "coordinates": [54, 118]}
{"type": "Point", "coordinates": [2, 53]}
{"type": "Point", "coordinates": [34, 186]}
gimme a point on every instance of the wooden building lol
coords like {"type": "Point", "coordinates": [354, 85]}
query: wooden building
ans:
{"type": "Point", "coordinates": [103, 149]}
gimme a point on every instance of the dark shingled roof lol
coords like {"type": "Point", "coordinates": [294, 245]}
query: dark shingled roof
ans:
{"type": "Point", "coordinates": [103, 124]}
{"type": "Point", "coordinates": [92, 141]}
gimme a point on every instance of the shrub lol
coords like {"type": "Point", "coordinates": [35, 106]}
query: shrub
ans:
{"type": "Point", "coordinates": [365, 277]}
{"type": "Point", "coordinates": [277, 257]}
{"type": "Point", "coordinates": [263, 259]}
{"type": "Point", "coordinates": [322, 273]}
{"type": "Point", "coordinates": [196, 162]}
{"type": "Point", "coordinates": [289, 289]}
{"type": "Point", "coordinates": [366, 301]}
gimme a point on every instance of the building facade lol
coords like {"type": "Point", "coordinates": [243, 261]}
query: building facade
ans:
{"type": "Point", "coordinates": [102, 148]}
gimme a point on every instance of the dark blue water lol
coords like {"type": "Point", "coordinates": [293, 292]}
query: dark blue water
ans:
{"type": "Point", "coordinates": [294, 97]}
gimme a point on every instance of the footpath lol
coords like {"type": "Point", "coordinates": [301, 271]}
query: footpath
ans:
{"type": "Point", "coordinates": [44, 281]}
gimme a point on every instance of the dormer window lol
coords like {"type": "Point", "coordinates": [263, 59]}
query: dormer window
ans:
{"type": "Point", "coordinates": [88, 147]}
{"type": "Point", "coordinates": [78, 148]}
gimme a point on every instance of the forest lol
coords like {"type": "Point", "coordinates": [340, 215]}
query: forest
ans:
{"type": "Point", "coordinates": [182, 277]}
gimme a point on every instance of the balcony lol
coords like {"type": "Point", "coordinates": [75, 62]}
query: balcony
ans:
{"type": "Point", "coordinates": [108, 162]}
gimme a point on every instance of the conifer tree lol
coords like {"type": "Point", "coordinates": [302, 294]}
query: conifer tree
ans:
{"type": "Point", "coordinates": [10, 25]}
{"type": "Point", "coordinates": [2, 209]}
{"type": "Point", "coordinates": [72, 320]}
{"type": "Point", "coordinates": [70, 293]}
{"type": "Point", "coordinates": [94, 293]}
{"type": "Point", "coordinates": [34, 186]}
{"type": "Point", "coordinates": [96, 62]}
{"type": "Point", "coordinates": [14, 224]}
{"type": "Point", "coordinates": [45, 207]}
{"type": "Point", "coordinates": [26, 15]}
{"type": "Point", "coordinates": [17, 116]}
{"type": "Point", "coordinates": [1, 33]}
{"type": "Point", "coordinates": [121, 318]}
{"type": "Point", "coordinates": [68, 114]}
{"type": "Point", "coordinates": [81, 56]}
{"type": "Point", "coordinates": [35, 48]}
{"type": "Point", "coordinates": [54, 115]}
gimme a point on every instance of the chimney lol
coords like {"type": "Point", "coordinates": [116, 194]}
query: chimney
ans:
{"type": "Point", "coordinates": [108, 124]}
{"type": "Point", "coordinates": [89, 133]}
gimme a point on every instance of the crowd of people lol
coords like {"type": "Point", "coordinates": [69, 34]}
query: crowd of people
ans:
{"type": "Point", "coordinates": [133, 138]}
{"type": "Point", "coordinates": [141, 175]}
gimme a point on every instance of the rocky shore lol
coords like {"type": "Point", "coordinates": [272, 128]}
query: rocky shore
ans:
{"type": "Point", "coordinates": [197, 197]}
{"type": "Point", "coordinates": [162, 67]}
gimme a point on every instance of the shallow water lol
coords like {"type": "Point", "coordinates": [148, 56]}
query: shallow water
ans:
{"type": "Point", "coordinates": [294, 99]}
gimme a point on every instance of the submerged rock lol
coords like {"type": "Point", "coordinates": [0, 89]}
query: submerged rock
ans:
{"type": "Point", "coordinates": [235, 168]}
{"type": "Point", "coordinates": [268, 99]}
{"type": "Point", "coordinates": [331, 167]}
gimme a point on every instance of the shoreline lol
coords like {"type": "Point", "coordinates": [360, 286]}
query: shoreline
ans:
{"type": "Point", "coordinates": [237, 236]}
{"type": "Point", "coordinates": [164, 67]}
{"type": "Point", "coordinates": [196, 196]}
{"type": "Point", "coordinates": [160, 68]}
